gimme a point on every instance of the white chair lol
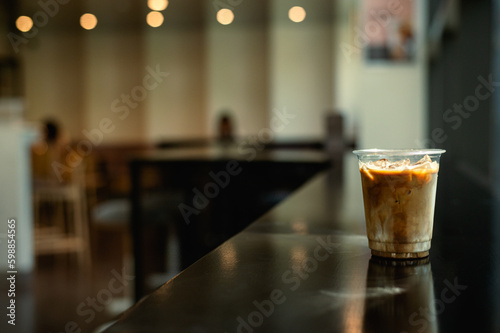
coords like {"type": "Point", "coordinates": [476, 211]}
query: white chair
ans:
{"type": "Point", "coordinates": [65, 227]}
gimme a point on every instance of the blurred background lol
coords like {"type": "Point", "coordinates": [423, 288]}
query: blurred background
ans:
{"type": "Point", "coordinates": [116, 77]}
{"type": "Point", "coordinates": [261, 61]}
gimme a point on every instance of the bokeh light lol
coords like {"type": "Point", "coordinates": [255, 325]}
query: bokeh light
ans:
{"type": "Point", "coordinates": [154, 19]}
{"type": "Point", "coordinates": [88, 21]}
{"type": "Point", "coordinates": [24, 23]}
{"type": "Point", "coordinates": [297, 14]}
{"type": "Point", "coordinates": [157, 5]}
{"type": "Point", "coordinates": [225, 16]}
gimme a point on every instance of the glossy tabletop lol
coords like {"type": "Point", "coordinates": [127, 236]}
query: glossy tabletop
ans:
{"type": "Point", "coordinates": [305, 266]}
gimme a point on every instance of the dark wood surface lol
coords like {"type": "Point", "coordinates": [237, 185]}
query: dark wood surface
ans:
{"type": "Point", "coordinates": [305, 266]}
{"type": "Point", "coordinates": [207, 195]}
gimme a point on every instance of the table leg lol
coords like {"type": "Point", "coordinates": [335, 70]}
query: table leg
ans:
{"type": "Point", "coordinates": [137, 229]}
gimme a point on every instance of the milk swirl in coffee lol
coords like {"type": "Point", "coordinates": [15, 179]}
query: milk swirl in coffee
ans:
{"type": "Point", "coordinates": [399, 206]}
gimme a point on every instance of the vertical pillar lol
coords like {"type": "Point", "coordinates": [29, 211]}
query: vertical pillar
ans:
{"type": "Point", "coordinates": [237, 65]}
{"type": "Point", "coordinates": [114, 72]}
{"type": "Point", "coordinates": [301, 63]}
{"type": "Point", "coordinates": [176, 108]}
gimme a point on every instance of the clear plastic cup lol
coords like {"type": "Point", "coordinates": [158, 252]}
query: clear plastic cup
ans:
{"type": "Point", "coordinates": [399, 194]}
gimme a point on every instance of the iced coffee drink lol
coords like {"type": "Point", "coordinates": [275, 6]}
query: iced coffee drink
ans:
{"type": "Point", "coordinates": [399, 190]}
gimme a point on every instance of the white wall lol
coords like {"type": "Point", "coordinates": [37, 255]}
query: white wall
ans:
{"type": "Point", "coordinates": [392, 115]}
{"type": "Point", "coordinates": [237, 68]}
{"type": "Point", "coordinates": [177, 107]}
{"type": "Point", "coordinates": [301, 66]}
{"type": "Point", "coordinates": [53, 66]}
{"type": "Point", "coordinates": [114, 67]}
{"type": "Point", "coordinates": [386, 102]}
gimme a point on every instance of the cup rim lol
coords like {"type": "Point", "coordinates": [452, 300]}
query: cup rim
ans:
{"type": "Point", "coordinates": [397, 152]}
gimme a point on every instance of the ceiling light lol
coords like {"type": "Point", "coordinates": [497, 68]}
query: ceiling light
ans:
{"type": "Point", "coordinates": [154, 19]}
{"type": "Point", "coordinates": [297, 14]}
{"type": "Point", "coordinates": [88, 21]}
{"type": "Point", "coordinates": [24, 23]}
{"type": "Point", "coordinates": [225, 16]}
{"type": "Point", "coordinates": [157, 5]}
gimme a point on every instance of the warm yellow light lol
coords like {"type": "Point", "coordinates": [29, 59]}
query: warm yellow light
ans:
{"type": "Point", "coordinates": [225, 16]}
{"type": "Point", "coordinates": [154, 19]}
{"type": "Point", "coordinates": [157, 4]}
{"type": "Point", "coordinates": [24, 23]}
{"type": "Point", "coordinates": [88, 21]}
{"type": "Point", "coordinates": [297, 14]}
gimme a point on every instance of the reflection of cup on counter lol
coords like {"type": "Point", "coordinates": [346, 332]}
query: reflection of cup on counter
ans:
{"type": "Point", "coordinates": [399, 191]}
{"type": "Point", "coordinates": [399, 296]}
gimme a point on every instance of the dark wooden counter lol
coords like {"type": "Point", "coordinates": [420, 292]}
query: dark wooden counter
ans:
{"type": "Point", "coordinates": [207, 195]}
{"type": "Point", "coordinates": [305, 267]}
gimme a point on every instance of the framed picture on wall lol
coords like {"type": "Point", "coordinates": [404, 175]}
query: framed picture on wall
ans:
{"type": "Point", "coordinates": [388, 30]}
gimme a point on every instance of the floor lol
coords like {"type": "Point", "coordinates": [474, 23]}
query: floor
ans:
{"type": "Point", "coordinates": [59, 297]}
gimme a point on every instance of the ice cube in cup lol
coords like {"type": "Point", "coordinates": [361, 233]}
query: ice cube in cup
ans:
{"type": "Point", "coordinates": [399, 191]}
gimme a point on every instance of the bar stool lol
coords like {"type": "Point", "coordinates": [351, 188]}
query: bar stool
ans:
{"type": "Point", "coordinates": [113, 215]}
{"type": "Point", "coordinates": [65, 226]}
